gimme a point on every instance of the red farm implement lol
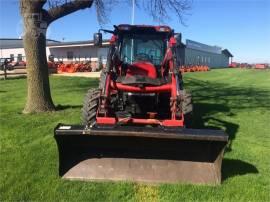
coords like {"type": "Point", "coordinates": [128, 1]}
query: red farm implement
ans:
{"type": "Point", "coordinates": [194, 68]}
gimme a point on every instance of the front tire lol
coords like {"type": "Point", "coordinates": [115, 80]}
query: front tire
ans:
{"type": "Point", "coordinates": [90, 107]}
{"type": "Point", "coordinates": [187, 108]}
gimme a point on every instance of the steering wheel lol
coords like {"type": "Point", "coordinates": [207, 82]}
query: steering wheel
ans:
{"type": "Point", "coordinates": [127, 59]}
{"type": "Point", "coordinates": [143, 57]}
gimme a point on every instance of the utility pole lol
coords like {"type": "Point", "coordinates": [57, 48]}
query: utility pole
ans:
{"type": "Point", "coordinates": [132, 22]}
{"type": "Point", "coordinates": [133, 12]}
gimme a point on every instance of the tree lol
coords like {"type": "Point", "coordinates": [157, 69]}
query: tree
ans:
{"type": "Point", "coordinates": [39, 14]}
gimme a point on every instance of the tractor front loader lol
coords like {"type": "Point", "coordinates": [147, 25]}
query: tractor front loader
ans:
{"type": "Point", "coordinates": [136, 123]}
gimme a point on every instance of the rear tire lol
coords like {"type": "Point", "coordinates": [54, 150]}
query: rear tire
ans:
{"type": "Point", "coordinates": [90, 107]}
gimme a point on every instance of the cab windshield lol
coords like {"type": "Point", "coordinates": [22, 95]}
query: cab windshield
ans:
{"type": "Point", "coordinates": [149, 48]}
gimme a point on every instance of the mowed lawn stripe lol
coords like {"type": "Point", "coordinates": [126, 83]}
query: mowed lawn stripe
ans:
{"type": "Point", "coordinates": [236, 100]}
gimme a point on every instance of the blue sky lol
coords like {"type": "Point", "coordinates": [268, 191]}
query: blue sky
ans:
{"type": "Point", "coordinates": [242, 26]}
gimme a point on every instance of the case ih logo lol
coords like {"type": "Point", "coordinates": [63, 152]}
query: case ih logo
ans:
{"type": "Point", "coordinates": [35, 21]}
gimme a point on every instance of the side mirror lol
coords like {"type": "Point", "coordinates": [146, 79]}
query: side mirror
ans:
{"type": "Point", "coordinates": [97, 39]}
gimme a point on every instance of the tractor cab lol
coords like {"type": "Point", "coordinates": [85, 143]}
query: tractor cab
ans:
{"type": "Point", "coordinates": [142, 49]}
{"type": "Point", "coordinates": [143, 44]}
{"type": "Point", "coordinates": [140, 52]}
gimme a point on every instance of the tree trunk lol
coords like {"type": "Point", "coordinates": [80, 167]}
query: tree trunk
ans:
{"type": "Point", "coordinates": [36, 21]}
{"type": "Point", "coordinates": [38, 95]}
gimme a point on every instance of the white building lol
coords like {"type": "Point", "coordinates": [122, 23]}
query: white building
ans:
{"type": "Point", "coordinates": [61, 51]}
{"type": "Point", "coordinates": [194, 53]}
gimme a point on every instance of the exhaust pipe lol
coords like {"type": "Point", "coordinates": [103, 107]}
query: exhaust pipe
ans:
{"type": "Point", "coordinates": [150, 155]}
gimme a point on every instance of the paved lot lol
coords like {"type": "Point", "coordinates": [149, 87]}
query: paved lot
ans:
{"type": "Point", "coordinates": [13, 73]}
{"type": "Point", "coordinates": [19, 73]}
{"type": "Point", "coordinates": [80, 74]}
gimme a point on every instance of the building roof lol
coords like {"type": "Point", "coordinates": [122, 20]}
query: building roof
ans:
{"type": "Point", "coordinates": [202, 47]}
{"type": "Point", "coordinates": [76, 43]}
{"type": "Point", "coordinates": [6, 43]}
{"type": "Point", "coordinates": [227, 53]}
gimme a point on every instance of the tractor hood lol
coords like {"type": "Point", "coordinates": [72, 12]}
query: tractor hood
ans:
{"type": "Point", "coordinates": [142, 68]}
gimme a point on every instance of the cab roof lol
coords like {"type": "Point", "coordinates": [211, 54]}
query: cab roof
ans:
{"type": "Point", "coordinates": [143, 29]}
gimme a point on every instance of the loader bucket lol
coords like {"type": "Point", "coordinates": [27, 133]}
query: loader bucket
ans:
{"type": "Point", "coordinates": [151, 155]}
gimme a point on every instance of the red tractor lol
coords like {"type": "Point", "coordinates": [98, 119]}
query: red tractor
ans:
{"type": "Point", "coordinates": [136, 124]}
{"type": "Point", "coordinates": [141, 83]}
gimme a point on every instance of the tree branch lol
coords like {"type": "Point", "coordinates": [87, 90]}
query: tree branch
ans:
{"type": "Point", "coordinates": [163, 9]}
{"type": "Point", "coordinates": [67, 8]}
{"type": "Point", "coordinates": [31, 6]}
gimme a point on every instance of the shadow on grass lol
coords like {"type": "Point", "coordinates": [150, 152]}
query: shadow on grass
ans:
{"type": "Point", "coordinates": [64, 107]}
{"type": "Point", "coordinates": [233, 167]}
{"type": "Point", "coordinates": [212, 99]}
{"type": "Point", "coordinates": [204, 114]}
{"type": "Point", "coordinates": [71, 84]}
{"type": "Point", "coordinates": [232, 97]}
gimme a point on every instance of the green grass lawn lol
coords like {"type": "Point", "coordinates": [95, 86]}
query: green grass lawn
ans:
{"type": "Point", "coordinates": [236, 100]}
